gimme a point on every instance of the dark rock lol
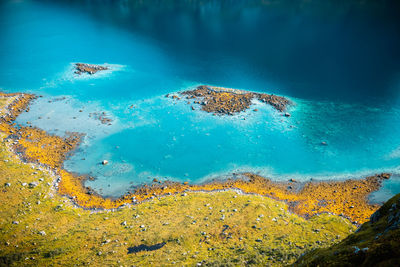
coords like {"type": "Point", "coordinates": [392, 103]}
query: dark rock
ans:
{"type": "Point", "coordinates": [33, 184]}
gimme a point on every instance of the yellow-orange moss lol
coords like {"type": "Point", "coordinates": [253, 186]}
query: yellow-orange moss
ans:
{"type": "Point", "coordinates": [38, 146]}
{"type": "Point", "coordinates": [347, 197]}
{"type": "Point", "coordinates": [72, 186]}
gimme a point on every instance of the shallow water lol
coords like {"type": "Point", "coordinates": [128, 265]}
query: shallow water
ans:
{"type": "Point", "coordinates": [339, 63]}
{"type": "Point", "coordinates": [388, 190]}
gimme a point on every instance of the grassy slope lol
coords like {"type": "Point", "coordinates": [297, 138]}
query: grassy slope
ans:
{"type": "Point", "coordinates": [376, 243]}
{"type": "Point", "coordinates": [77, 236]}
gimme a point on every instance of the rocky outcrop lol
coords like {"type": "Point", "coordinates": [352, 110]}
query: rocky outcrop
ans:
{"type": "Point", "coordinates": [227, 101]}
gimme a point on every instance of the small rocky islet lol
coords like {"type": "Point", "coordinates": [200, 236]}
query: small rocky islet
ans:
{"type": "Point", "coordinates": [228, 101]}
{"type": "Point", "coordinates": [81, 68]}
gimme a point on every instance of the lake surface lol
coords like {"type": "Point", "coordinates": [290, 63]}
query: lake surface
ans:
{"type": "Point", "coordinates": [338, 61]}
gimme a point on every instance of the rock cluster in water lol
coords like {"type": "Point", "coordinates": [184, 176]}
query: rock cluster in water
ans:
{"type": "Point", "coordinates": [88, 68]}
{"type": "Point", "coordinates": [227, 101]}
{"type": "Point", "coordinates": [102, 117]}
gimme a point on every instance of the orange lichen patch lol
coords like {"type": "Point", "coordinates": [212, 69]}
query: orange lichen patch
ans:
{"type": "Point", "coordinates": [72, 185]}
{"type": "Point", "coordinates": [222, 100]}
{"type": "Point", "coordinates": [6, 127]}
{"type": "Point", "coordinates": [38, 146]}
{"type": "Point", "coordinates": [348, 198]}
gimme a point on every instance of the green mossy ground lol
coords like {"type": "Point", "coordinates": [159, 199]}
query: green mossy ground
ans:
{"type": "Point", "coordinates": [218, 228]}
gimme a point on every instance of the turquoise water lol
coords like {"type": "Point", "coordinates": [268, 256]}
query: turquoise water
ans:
{"type": "Point", "coordinates": [388, 190]}
{"type": "Point", "coordinates": [339, 63]}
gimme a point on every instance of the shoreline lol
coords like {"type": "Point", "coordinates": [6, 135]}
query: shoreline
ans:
{"type": "Point", "coordinates": [303, 198]}
{"type": "Point", "coordinates": [207, 224]}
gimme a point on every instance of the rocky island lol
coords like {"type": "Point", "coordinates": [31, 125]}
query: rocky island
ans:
{"type": "Point", "coordinates": [88, 68]}
{"type": "Point", "coordinates": [228, 101]}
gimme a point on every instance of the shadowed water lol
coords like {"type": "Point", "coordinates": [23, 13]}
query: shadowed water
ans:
{"type": "Point", "coordinates": [338, 61]}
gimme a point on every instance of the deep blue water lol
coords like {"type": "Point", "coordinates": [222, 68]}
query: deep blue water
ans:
{"type": "Point", "coordinates": [339, 61]}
